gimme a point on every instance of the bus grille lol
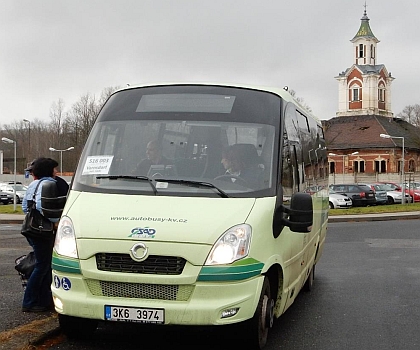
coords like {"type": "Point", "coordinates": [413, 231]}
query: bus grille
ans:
{"type": "Point", "coordinates": [140, 290]}
{"type": "Point", "coordinates": [154, 264]}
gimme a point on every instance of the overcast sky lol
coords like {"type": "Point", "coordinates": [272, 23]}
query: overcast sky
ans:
{"type": "Point", "coordinates": [63, 49]}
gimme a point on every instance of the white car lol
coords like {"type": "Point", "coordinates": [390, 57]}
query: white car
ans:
{"type": "Point", "coordinates": [20, 190]}
{"type": "Point", "coordinates": [337, 200]}
{"type": "Point", "coordinates": [394, 197]}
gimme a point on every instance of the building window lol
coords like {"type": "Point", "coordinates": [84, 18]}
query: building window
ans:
{"type": "Point", "coordinates": [411, 166]}
{"type": "Point", "coordinates": [381, 94]}
{"type": "Point", "coordinates": [361, 51]}
{"type": "Point", "coordinates": [355, 95]}
{"type": "Point", "coordinates": [372, 51]}
{"type": "Point", "coordinates": [332, 167]}
{"type": "Point", "coordinates": [380, 166]}
{"type": "Point", "coordinates": [359, 166]}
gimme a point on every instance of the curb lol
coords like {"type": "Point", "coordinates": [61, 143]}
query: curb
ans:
{"type": "Point", "coordinates": [374, 217]}
{"type": "Point", "coordinates": [52, 329]}
{"type": "Point", "coordinates": [31, 334]}
{"type": "Point", "coordinates": [10, 222]}
{"type": "Point", "coordinates": [11, 218]}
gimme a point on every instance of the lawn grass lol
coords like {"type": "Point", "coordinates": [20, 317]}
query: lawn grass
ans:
{"type": "Point", "coordinates": [377, 209]}
{"type": "Point", "coordinates": [8, 209]}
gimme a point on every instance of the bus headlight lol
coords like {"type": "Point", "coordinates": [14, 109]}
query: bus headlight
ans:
{"type": "Point", "coordinates": [65, 240]}
{"type": "Point", "coordinates": [231, 246]}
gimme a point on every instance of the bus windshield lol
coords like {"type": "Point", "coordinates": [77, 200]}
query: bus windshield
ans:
{"type": "Point", "coordinates": [184, 141]}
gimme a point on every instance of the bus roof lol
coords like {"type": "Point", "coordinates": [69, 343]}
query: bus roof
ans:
{"type": "Point", "coordinates": [282, 92]}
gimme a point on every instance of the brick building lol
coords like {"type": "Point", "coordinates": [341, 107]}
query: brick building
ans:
{"type": "Point", "coordinates": [357, 152]}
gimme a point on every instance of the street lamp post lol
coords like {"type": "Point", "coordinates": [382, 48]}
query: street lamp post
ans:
{"type": "Point", "coordinates": [61, 156]}
{"type": "Point", "coordinates": [386, 136]}
{"type": "Point", "coordinates": [6, 140]}
{"type": "Point", "coordinates": [29, 138]}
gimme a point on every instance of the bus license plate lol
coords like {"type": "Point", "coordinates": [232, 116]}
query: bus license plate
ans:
{"type": "Point", "coordinates": [132, 314]}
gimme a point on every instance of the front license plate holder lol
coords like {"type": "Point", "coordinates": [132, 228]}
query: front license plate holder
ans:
{"type": "Point", "coordinates": [134, 314]}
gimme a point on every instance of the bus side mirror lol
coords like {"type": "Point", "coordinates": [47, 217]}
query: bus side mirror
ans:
{"type": "Point", "coordinates": [299, 216]}
{"type": "Point", "coordinates": [52, 206]}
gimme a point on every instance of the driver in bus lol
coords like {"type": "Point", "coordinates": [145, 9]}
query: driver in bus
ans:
{"type": "Point", "coordinates": [238, 164]}
{"type": "Point", "coordinates": [153, 157]}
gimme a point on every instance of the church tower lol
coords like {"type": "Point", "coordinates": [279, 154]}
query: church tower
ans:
{"type": "Point", "coordinates": [365, 87]}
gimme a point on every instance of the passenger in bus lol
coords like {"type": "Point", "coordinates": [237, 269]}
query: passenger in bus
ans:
{"type": "Point", "coordinates": [241, 161]}
{"type": "Point", "coordinates": [154, 157]}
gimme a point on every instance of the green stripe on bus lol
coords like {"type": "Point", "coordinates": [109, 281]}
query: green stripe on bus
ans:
{"type": "Point", "coordinates": [230, 273]}
{"type": "Point", "coordinates": [65, 265]}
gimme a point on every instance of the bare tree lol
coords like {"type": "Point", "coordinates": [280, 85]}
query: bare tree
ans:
{"type": "Point", "coordinates": [411, 114]}
{"type": "Point", "coordinates": [16, 132]}
{"type": "Point", "coordinates": [65, 129]}
{"type": "Point", "coordinates": [41, 139]}
{"type": "Point", "coordinates": [80, 119]}
{"type": "Point", "coordinates": [108, 91]}
{"type": "Point", "coordinates": [40, 135]}
{"type": "Point", "coordinates": [57, 116]}
{"type": "Point", "coordinates": [300, 100]}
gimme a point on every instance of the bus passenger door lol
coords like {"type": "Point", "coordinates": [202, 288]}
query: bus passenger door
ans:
{"type": "Point", "coordinates": [292, 179]}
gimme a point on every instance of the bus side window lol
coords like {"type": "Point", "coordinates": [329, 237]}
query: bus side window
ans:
{"type": "Point", "coordinates": [287, 170]}
{"type": "Point", "coordinates": [291, 174]}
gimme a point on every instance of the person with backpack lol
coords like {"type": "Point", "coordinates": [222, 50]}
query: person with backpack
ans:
{"type": "Point", "coordinates": [37, 297]}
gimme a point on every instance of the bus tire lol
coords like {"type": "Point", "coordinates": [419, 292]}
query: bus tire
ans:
{"type": "Point", "coordinates": [307, 287]}
{"type": "Point", "coordinates": [263, 318]}
{"type": "Point", "coordinates": [76, 327]}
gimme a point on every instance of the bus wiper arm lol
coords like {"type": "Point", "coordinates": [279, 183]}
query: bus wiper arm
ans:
{"type": "Point", "coordinates": [131, 177]}
{"type": "Point", "coordinates": [222, 193]}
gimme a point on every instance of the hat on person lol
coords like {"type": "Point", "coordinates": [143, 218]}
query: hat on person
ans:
{"type": "Point", "coordinates": [30, 167]}
{"type": "Point", "coordinates": [43, 167]}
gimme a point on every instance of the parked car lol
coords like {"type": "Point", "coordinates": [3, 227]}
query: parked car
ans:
{"type": "Point", "coordinates": [6, 198]}
{"type": "Point", "coordinates": [337, 200]}
{"type": "Point", "coordinates": [415, 184]}
{"type": "Point", "coordinates": [381, 195]}
{"type": "Point", "coordinates": [413, 190]}
{"type": "Point", "coordinates": [20, 190]}
{"type": "Point", "coordinates": [415, 194]}
{"type": "Point", "coordinates": [394, 197]}
{"type": "Point", "coordinates": [361, 195]}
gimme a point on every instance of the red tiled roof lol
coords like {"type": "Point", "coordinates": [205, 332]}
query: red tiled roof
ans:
{"type": "Point", "coordinates": [355, 132]}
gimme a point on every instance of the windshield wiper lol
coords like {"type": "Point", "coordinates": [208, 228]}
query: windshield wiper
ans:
{"type": "Point", "coordinates": [222, 193]}
{"type": "Point", "coordinates": [130, 177]}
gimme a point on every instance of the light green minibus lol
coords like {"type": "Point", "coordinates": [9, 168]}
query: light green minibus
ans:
{"type": "Point", "coordinates": [192, 204]}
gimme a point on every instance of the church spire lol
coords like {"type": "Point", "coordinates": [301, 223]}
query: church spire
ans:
{"type": "Point", "coordinates": [364, 43]}
{"type": "Point", "coordinates": [364, 31]}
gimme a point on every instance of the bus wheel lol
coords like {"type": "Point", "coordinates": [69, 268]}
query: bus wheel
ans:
{"type": "Point", "coordinates": [263, 318]}
{"type": "Point", "coordinates": [76, 327]}
{"type": "Point", "coordinates": [310, 281]}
